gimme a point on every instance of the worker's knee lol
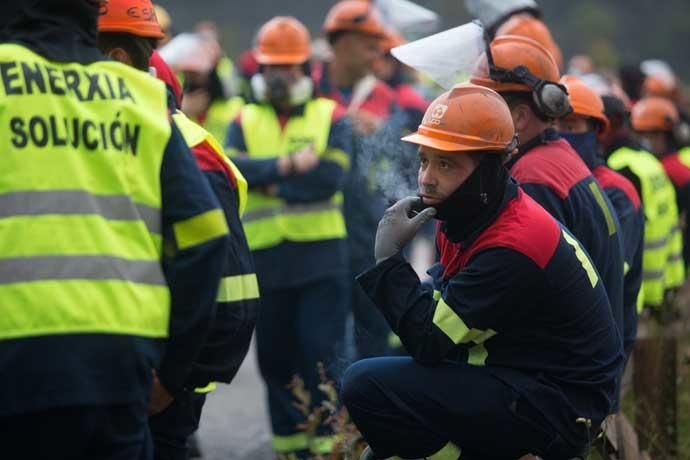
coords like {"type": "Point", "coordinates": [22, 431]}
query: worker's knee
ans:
{"type": "Point", "coordinates": [357, 383]}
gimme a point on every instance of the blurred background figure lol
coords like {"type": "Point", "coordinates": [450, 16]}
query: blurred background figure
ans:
{"type": "Point", "coordinates": [402, 79]}
{"type": "Point", "coordinates": [210, 97]}
{"type": "Point", "coordinates": [657, 122]}
{"type": "Point", "coordinates": [165, 21]}
{"type": "Point", "coordinates": [580, 64]}
{"type": "Point", "coordinates": [353, 29]}
{"type": "Point", "coordinates": [661, 259]}
{"type": "Point", "coordinates": [515, 17]}
{"type": "Point", "coordinates": [294, 149]}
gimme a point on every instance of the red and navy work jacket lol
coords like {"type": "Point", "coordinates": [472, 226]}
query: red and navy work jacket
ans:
{"type": "Point", "coordinates": [381, 101]}
{"type": "Point", "coordinates": [371, 159]}
{"type": "Point", "coordinates": [679, 173]}
{"type": "Point", "coordinates": [412, 103]}
{"type": "Point", "coordinates": [521, 299]}
{"type": "Point", "coordinates": [553, 174]}
{"type": "Point", "coordinates": [237, 309]}
{"type": "Point", "coordinates": [626, 201]}
{"type": "Point", "coordinates": [236, 312]}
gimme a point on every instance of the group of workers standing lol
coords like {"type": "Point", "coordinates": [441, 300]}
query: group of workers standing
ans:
{"type": "Point", "coordinates": [148, 226]}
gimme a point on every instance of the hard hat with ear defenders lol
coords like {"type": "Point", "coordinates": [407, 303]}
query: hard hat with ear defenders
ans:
{"type": "Point", "coordinates": [518, 64]}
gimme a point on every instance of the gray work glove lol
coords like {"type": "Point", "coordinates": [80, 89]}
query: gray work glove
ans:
{"type": "Point", "coordinates": [399, 224]}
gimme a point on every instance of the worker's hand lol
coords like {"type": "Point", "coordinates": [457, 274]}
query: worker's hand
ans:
{"type": "Point", "coordinates": [305, 160]}
{"type": "Point", "coordinates": [365, 123]}
{"type": "Point", "coordinates": [400, 223]}
{"type": "Point", "coordinates": [270, 190]}
{"type": "Point", "coordinates": [284, 166]}
{"type": "Point", "coordinates": [160, 398]}
{"type": "Point", "coordinates": [196, 103]}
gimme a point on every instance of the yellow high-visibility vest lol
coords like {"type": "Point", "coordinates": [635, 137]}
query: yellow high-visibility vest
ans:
{"type": "Point", "coordinates": [194, 135]}
{"type": "Point", "coordinates": [219, 116]}
{"type": "Point", "coordinates": [662, 260]}
{"type": "Point", "coordinates": [81, 150]}
{"type": "Point", "coordinates": [270, 220]}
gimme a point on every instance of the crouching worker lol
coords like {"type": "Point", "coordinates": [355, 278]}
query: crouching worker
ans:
{"type": "Point", "coordinates": [515, 350]}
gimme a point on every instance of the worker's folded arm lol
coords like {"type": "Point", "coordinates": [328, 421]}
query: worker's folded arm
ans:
{"type": "Point", "coordinates": [258, 172]}
{"type": "Point", "coordinates": [195, 245]}
{"type": "Point", "coordinates": [328, 177]}
{"type": "Point", "coordinates": [317, 185]}
{"type": "Point", "coordinates": [467, 310]}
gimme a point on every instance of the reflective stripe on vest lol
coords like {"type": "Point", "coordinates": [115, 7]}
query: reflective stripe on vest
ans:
{"type": "Point", "coordinates": [194, 135]}
{"type": "Point", "coordinates": [661, 270]}
{"type": "Point", "coordinates": [80, 199]}
{"type": "Point", "coordinates": [270, 220]}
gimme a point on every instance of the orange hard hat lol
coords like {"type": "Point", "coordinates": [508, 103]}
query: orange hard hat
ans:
{"type": "Point", "coordinates": [509, 52]}
{"type": "Point", "coordinates": [134, 17]}
{"type": "Point", "coordinates": [585, 101]}
{"type": "Point", "coordinates": [353, 16]}
{"type": "Point", "coordinates": [654, 114]}
{"type": "Point", "coordinates": [391, 39]}
{"type": "Point", "coordinates": [659, 86]}
{"type": "Point", "coordinates": [526, 25]}
{"type": "Point", "coordinates": [468, 118]}
{"type": "Point", "coordinates": [282, 40]}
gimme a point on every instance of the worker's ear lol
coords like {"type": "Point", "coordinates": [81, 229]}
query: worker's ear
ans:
{"type": "Point", "coordinates": [119, 54]}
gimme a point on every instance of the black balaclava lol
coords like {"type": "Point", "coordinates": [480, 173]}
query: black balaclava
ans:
{"type": "Point", "coordinates": [60, 30]}
{"type": "Point", "coordinates": [586, 146]}
{"type": "Point", "coordinates": [474, 204]}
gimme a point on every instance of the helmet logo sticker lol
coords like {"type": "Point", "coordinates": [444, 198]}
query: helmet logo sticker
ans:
{"type": "Point", "coordinates": [437, 114]}
{"type": "Point", "coordinates": [148, 14]}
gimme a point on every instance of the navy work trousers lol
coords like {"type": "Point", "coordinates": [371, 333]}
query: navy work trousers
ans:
{"type": "Point", "coordinates": [403, 408]}
{"type": "Point", "coordinates": [118, 432]}
{"type": "Point", "coordinates": [297, 328]}
{"type": "Point", "coordinates": [172, 428]}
